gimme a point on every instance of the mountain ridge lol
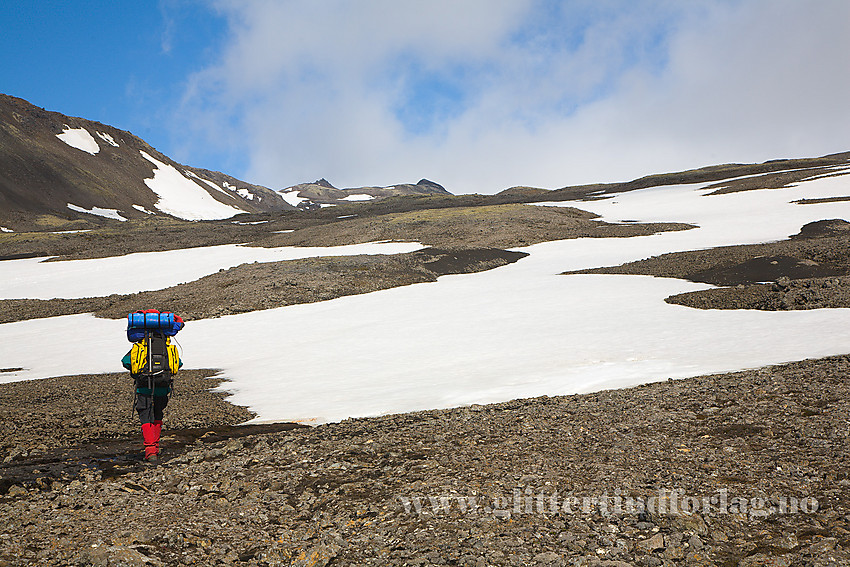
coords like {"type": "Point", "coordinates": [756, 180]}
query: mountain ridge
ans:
{"type": "Point", "coordinates": [57, 169]}
{"type": "Point", "coordinates": [322, 192]}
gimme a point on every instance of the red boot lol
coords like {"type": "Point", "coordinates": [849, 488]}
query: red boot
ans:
{"type": "Point", "coordinates": [150, 435]}
{"type": "Point", "coordinates": [157, 429]}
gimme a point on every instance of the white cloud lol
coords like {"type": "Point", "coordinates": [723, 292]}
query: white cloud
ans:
{"type": "Point", "coordinates": [526, 93]}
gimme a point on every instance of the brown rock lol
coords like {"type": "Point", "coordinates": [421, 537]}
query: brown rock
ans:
{"type": "Point", "coordinates": [652, 544]}
{"type": "Point", "coordinates": [119, 556]}
{"type": "Point", "coordinates": [549, 559]}
{"type": "Point", "coordinates": [762, 560]}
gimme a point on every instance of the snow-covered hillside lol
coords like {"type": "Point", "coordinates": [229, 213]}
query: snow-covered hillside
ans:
{"type": "Point", "coordinates": [76, 169]}
{"type": "Point", "coordinates": [181, 197]}
{"type": "Point", "coordinates": [516, 331]}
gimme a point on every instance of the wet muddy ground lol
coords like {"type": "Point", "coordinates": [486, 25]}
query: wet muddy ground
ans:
{"type": "Point", "coordinates": [58, 429]}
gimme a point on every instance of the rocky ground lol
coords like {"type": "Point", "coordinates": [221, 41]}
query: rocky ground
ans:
{"type": "Point", "coordinates": [497, 226]}
{"type": "Point", "coordinates": [784, 294]}
{"type": "Point", "coordinates": [52, 430]}
{"type": "Point", "coordinates": [774, 180]}
{"type": "Point", "coordinates": [81, 239]}
{"type": "Point", "coordinates": [808, 271]}
{"type": "Point", "coordinates": [63, 407]}
{"type": "Point", "coordinates": [447, 222]}
{"type": "Point", "coordinates": [396, 489]}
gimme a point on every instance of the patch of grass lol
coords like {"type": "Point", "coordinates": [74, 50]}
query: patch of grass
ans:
{"type": "Point", "coordinates": [57, 223]}
{"type": "Point", "coordinates": [488, 212]}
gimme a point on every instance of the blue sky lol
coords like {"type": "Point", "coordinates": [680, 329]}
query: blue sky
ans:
{"type": "Point", "coordinates": [123, 63]}
{"type": "Point", "coordinates": [478, 95]}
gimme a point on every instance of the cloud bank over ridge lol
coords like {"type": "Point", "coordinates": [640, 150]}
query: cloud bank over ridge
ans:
{"type": "Point", "coordinates": [482, 95]}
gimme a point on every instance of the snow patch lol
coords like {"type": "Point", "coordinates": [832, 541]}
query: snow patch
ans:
{"type": "Point", "coordinates": [358, 197]}
{"type": "Point", "coordinates": [4, 229]}
{"type": "Point", "coordinates": [244, 193]}
{"type": "Point", "coordinates": [70, 231]}
{"type": "Point", "coordinates": [145, 271]}
{"type": "Point", "coordinates": [143, 210]}
{"type": "Point", "coordinates": [106, 138]}
{"type": "Point", "coordinates": [207, 181]}
{"type": "Point", "coordinates": [292, 197]}
{"type": "Point", "coordinates": [181, 197]}
{"type": "Point", "coordinates": [79, 138]}
{"type": "Point", "coordinates": [106, 213]}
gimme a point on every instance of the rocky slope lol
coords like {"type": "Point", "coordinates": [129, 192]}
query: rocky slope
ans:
{"type": "Point", "coordinates": [498, 226]}
{"type": "Point", "coordinates": [48, 160]}
{"type": "Point", "coordinates": [808, 271]}
{"type": "Point", "coordinates": [500, 484]}
{"type": "Point", "coordinates": [726, 178]}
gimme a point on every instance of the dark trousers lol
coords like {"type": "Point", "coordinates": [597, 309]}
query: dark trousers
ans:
{"type": "Point", "coordinates": [150, 408]}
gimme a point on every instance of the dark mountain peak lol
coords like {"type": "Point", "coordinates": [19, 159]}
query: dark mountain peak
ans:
{"type": "Point", "coordinates": [324, 183]}
{"type": "Point", "coordinates": [431, 187]}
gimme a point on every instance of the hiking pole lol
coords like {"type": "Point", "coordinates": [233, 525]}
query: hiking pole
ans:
{"type": "Point", "coordinates": [150, 371]}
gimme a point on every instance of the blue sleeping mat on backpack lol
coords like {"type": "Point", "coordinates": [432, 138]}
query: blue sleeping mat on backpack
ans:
{"type": "Point", "coordinates": [139, 323]}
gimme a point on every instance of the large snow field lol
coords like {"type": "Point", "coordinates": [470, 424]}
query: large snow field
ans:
{"type": "Point", "coordinates": [145, 271]}
{"type": "Point", "coordinates": [516, 331]}
{"type": "Point", "coordinates": [183, 198]}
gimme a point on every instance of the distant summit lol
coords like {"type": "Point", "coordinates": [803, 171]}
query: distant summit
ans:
{"type": "Point", "coordinates": [323, 193]}
{"type": "Point", "coordinates": [431, 187]}
{"type": "Point", "coordinates": [324, 183]}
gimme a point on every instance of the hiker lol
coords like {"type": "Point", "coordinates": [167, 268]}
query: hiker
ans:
{"type": "Point", "coordinates": [152, 361]}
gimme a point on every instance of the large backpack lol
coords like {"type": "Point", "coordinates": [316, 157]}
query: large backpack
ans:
{"type": "Point", "coordinates": [154, 356]}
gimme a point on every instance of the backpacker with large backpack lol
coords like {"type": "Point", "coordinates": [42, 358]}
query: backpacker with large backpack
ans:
{"type": "Point", "coordinates": [154, 360]}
